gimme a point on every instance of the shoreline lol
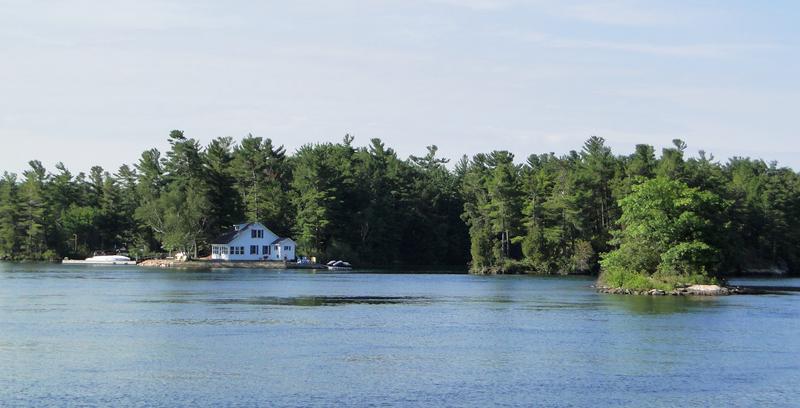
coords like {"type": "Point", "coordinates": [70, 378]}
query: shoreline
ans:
{"type": "Point", "coordinates": [701, 290]}
{"type": "Point", "coordinates": [171, 263]}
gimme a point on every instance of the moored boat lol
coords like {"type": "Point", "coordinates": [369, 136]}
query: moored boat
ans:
{"type": "Point", "coordinates": [339, 266]}
{"type": "Point", "coordinates": [102, 259]}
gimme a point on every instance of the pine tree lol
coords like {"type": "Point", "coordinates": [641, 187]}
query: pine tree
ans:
{"type": "Point", "coordinates": [224, 201]}
{"type": "Point", "coordinates": [33, 212]}
{"type": "Point", "coordinates": [312, 201]}
{"type": "Point", "coordinates": [262, 177]}
{"type": "Point", "coordinates": [9, 216]}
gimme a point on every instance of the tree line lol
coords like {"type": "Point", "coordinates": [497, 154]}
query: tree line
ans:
{"type": "Point", "coordinates": [635, 213]}
{"type": "Point", "coordinates": [364, 204]}
{"type": "Point", "coordinates": [579, 212]}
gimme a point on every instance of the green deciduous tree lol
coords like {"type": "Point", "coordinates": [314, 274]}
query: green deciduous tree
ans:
{"type": "Point", "coordinates": [665, 232]}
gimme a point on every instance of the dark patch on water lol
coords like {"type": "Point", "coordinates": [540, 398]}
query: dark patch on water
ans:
{"type": "Point", "coordinates": [305, 300]}
{"type": "Point", "coordinates": [322, 300]}
{"type": "Point", "coordinates": [768, 289]}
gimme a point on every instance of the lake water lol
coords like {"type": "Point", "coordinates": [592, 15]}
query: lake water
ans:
{"type": "Point", "coordinates": [112, 336]}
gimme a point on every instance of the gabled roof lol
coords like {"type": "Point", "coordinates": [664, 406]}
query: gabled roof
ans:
{"type": "Point", "coordinates": [231, 235]}
{"type": "Point", "coordinates": [279, 240]}
{"type": "Point", "coordinates": [243, 226]}
{"type": "Point", "coordinates": [225, 238]}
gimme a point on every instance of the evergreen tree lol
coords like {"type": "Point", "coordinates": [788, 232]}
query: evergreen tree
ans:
{"type": "Point", "coordinates": [552, 214]}
{"type": "Point", "coordinates": [9, 216]}
{"type": "Point", "coordinates": [476, 200]}
{"type": "Point", "coordinates": [504, 204]}
{"type": "Point", "coordinates": [225, 203]}
{"type": "Point", "coordinates": [184, 206]}
{"type": "Point", "coordinates": [314, 199]}
{"type": "Point", "coordinates": [32, 220]}
{"type": "Point", "coordinates": [262, 178]}
{"type": "Point", "coordinates": [150, 185]}
{"type": "Point", "coordinates": [597, 176]}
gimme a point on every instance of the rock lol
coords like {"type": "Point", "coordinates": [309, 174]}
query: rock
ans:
{"type": "Point", "coordinates": [692, 290]}
{"type": "Point", "coordinates": [707, 290]}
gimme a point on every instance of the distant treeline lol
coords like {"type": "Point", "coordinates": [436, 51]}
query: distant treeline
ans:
{"type": "Point", "coordinates": [363, 204]}
{"type": "Point", "coordinates": [550, 214]}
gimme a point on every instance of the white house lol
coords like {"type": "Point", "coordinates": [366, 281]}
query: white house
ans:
{"type": "Point", "coordinates": [252, 242]}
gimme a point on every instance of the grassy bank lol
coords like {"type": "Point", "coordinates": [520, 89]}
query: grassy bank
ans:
{"type": "Point", "coordinates": [659, 281]}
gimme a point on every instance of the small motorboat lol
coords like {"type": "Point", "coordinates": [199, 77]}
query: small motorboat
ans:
{"type": "Point", "coordinates": [339, 266]}
{"type": "Point", "coordinates": [101, 258]}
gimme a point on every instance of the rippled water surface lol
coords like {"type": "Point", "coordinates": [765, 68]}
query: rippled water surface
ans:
{"type": "Point", "coordinates": [110, 336]}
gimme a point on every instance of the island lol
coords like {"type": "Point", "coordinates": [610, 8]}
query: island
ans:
{"type": "Point", "coordinates": [641, 223]}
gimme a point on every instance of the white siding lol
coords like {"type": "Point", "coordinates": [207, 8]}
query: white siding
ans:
{"type": "Point", "coordinates": [239, 249]}
{"type": "Point", "coordinates": [286, 249]}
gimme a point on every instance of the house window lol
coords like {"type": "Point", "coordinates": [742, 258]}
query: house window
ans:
{"type": "Point", "coordinates": [237, 250]}
{"type": "Point", "coordinates": [257, 234]}
{"type": "Point", "coordinates": [265, 250]}
{"type": "Point", "coordinates": [286, 247]}
{"type": "Point", "coordinates": [223, 250]}
{"type": "Point", "coordinates": [253, 249]}
{"type": "Point", "coordinates": [277, 247]}
{"type": "Point", "coordinates": [233, 250]}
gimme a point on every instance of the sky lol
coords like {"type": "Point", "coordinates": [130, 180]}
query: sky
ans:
{"type": "Point", "coordinates": [96, 82]}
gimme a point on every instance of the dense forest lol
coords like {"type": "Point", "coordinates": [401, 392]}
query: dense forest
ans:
{"type": "Point", "coordinates": [581, 212]}
{"type": "Point", "coordinates": [339, 201]}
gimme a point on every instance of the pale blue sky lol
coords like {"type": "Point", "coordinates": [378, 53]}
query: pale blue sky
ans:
{"type": "Point", "coordinates": [96, 82]}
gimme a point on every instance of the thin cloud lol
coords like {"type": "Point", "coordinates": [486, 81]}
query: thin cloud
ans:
{"type": "Point", "coordinates": [618, 13]}
{"type": "Point", "coordinates": [610, 12]}
{"type": "Point", "coordinates": [709, 50]}
{"type": "Point", "coordinates": [683, 50]}
{"type": "Point", "coordinates": [478, 4]}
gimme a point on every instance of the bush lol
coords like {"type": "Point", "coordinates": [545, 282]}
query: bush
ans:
{"type": "Point", "coordinates": [618, 278]}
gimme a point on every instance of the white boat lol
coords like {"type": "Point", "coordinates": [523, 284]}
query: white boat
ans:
{"type": "Point", "coordinates": [339, 266]}
{"type": "Point", "coordinates": [102, 260]}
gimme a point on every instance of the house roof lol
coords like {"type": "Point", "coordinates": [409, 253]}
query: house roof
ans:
{"type": "Point", "coordinates": [279, 240]}
{"type": "Point", "coordinates": [225, 238]}
{"type": "Point", "coordinates": [231, 235]}
{"type": "Point", "coordinates": [238, 229]}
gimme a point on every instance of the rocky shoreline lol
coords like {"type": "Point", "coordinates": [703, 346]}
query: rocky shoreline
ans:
{"type": "Point", "coordinates": [205, 264]}
{"type": "Point", "coordinates": [690, 290]}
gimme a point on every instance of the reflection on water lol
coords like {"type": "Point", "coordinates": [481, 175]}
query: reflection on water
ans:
{"type": "Point", "coordinates": [662, 304]}
{"type": "Point", "coordinates": [302, 300]}
{"type": "Point", "coordinates": [127, 336]}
